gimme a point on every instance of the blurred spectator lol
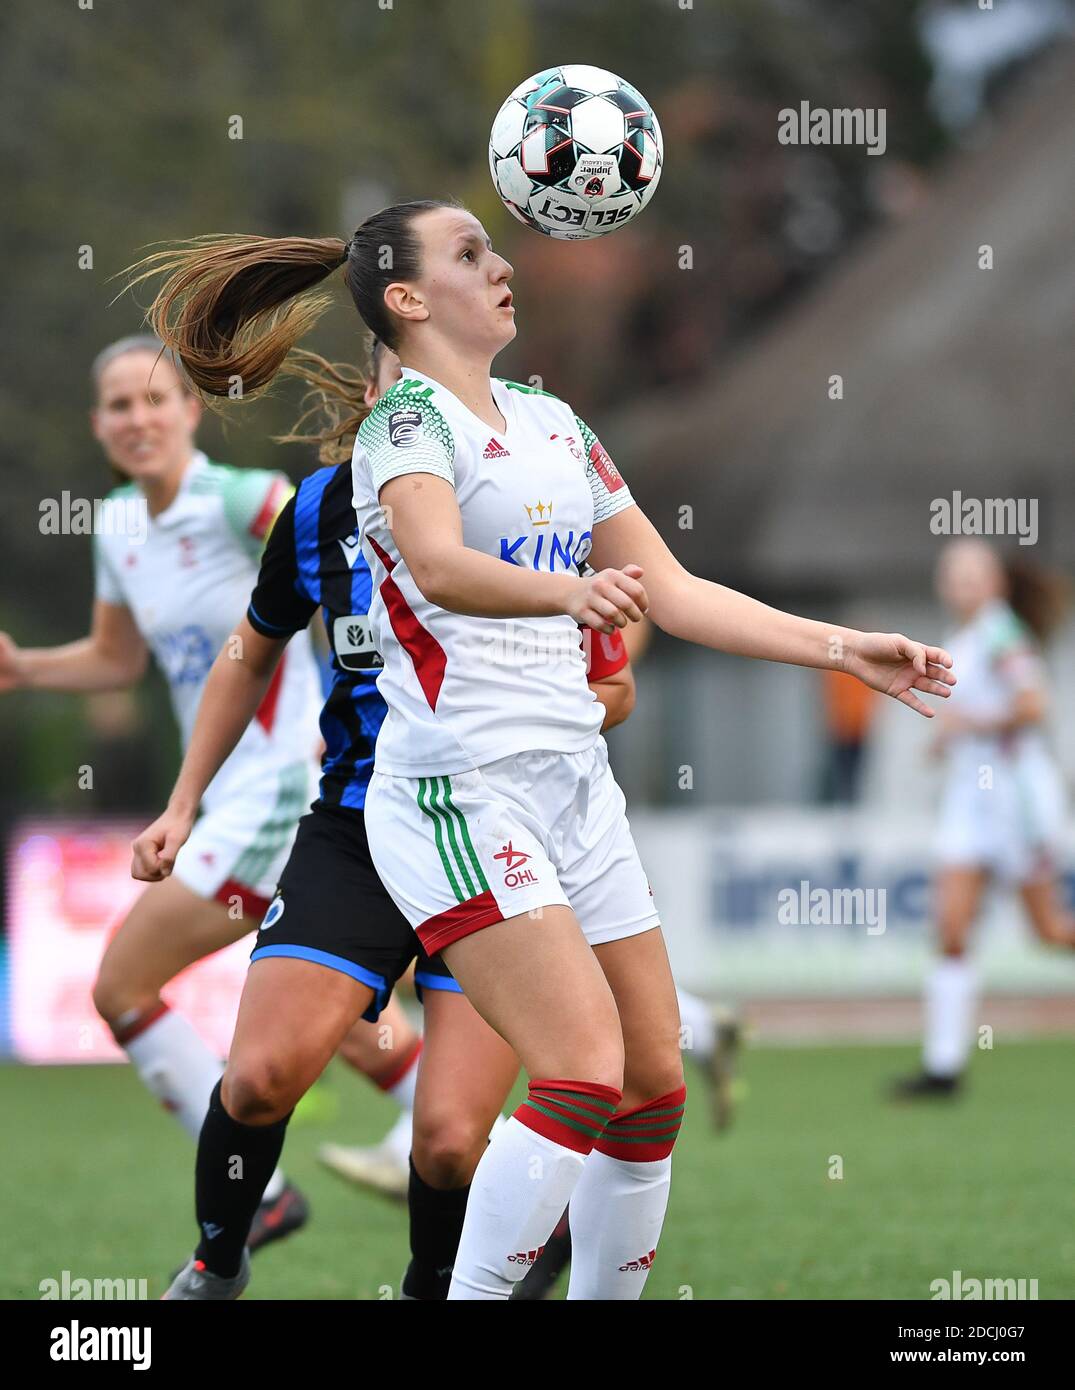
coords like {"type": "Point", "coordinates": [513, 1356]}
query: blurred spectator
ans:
{"type": "Point", "coordinates": [850, 707]}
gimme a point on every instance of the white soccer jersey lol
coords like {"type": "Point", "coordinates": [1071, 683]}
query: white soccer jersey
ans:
{"type": "Point", "coordinates": [465, 691]}
{"type": "Point", "coordinates": [1003, 800]}
{"type": "Point", "coordinates": [187, 586]}
{"type": "Point", "coordinates": [996, 658]}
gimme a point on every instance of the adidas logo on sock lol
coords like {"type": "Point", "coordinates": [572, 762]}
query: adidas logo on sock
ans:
{"type": "Point", "coordinates": [494, 450]}
{"type": "Point", "coordinates": [525, 1257]}
{"type": "Point", "coordinates": [646, 1262]}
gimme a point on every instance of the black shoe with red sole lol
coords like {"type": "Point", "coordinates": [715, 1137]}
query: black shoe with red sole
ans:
{"type": "Point", "coordinates": [278, 1218]}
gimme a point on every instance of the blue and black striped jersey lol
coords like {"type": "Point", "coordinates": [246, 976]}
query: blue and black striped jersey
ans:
{"type": "Point", "coordinates": [313, 560]}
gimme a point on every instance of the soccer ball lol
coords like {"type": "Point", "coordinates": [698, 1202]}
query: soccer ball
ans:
{"type": "Point", "coordinates": [575, 152]}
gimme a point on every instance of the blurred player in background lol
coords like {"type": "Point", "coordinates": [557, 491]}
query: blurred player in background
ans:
{"type": "Point", "coordinates": [173, 587]}
{"type": "Point", "coordinates": [1002, 806]}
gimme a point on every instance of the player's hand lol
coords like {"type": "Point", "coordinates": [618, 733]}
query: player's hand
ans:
{"type": "Point", "coordinates": [153, 853]}
{"type": "Point", "coordinates": [11, 672]}
{"type": "Point", "coordinates": [896, 666]}
{"type": "Point", "coordinates": [610, 599]}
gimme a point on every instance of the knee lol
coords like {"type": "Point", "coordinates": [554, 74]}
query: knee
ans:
{"type": "Point", "coordinates": [117, 1000]}
{"type": "Point", "coordinates": [258, 1090]}
{"type": "Point", "coordinates": [653, 1077]}
{"type": "Point", "coordinates": [446, 1147]}
{"type": "Point", "coordinates": [601, 1061]}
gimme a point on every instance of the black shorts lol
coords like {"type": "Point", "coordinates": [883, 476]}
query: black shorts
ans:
{"type": "Point", "coordinates": [330, 907]}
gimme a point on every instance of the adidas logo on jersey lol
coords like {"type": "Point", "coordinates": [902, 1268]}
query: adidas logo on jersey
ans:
{"type": "Point", "coordinates": [645, 1262]}
{"type": "Point", "coordinates": [494, 450]}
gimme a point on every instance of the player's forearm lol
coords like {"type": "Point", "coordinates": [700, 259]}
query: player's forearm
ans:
{"type": "Point", "coordinates": [233, 691]}
{"type": "Point", "coordinates": [81, 666]}
{"type": "Point", "coordinates": [697, 610]}
{"type": "Point", "coordinates": [481, 586]}
{"type": "Point", "coordinates": [618, 700]}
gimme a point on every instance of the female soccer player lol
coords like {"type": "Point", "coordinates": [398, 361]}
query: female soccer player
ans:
{"type": "Point", "coordinates": [174, 589]}
{"type": "Point", "coordinates": [384, 1167]}
{"type": "Point", "coordinates": [330, 912]}
{"type": "Point", "coordinates": [1002, 808]}
{"type": "Point", "coordinates": [492, 817]}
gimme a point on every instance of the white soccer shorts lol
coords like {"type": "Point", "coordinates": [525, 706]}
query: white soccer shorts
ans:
{"type": "Point", "coordinates": [240, 844]}
{"type": "Point", "coordinates": [1009, 822]}
{"type": "Point", "coordinates": [535, 829]}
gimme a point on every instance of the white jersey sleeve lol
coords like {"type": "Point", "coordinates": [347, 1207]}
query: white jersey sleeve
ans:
{"type": "Point", "coordinates": [253, 498]}
{"type": "Point", "coordinates": [607, 484]}
{"type": "Point", "coordinates": [105, 584]}
{"type": "Point", "coordinates": [1012, 651]}
{"type": "Point", "coordinates": [106, 579]}
{"type": "Point", "coordinates": [406, 433]}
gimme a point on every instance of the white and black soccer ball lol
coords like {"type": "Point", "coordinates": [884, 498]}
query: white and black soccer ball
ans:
{"type": "Point", "coordinates": [575, 152]}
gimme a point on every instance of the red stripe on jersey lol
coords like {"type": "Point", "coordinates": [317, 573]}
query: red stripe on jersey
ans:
{"type": "Point", "coordinates": [605, 653]}
{"type": "Point", "coordinates": [421, 646]}
{"type": "Point", "coordinates": [254, 905]}
{"type": "Point", "coordinates": [437, 932]}
{"type": "Point", "coordinates": [607, 471]}
{"type": "Point", "coordinates": [266, 711]}
{"type": "Point", "coordinates": [270, 508]}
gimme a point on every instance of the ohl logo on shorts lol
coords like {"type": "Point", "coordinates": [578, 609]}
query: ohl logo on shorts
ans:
{"type": "Point", "coordinates": [515, 877]}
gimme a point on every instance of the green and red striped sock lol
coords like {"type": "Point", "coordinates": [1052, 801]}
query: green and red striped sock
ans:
{"type": "Point", "coordinates": [572, 1113]}
{"type": "Point", "coordinates": [524, 1181]}
{"type": "Point", "coordinates": [617, 1208]}
{"type": "Point", "coordinates": [647, 1132]}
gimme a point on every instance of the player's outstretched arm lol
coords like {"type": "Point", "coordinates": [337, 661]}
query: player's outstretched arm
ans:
{"type": "Point", "coordinates": [711, 615]}
{"type": "Point", "coordinates": [423, 516]}
{"type": "Point", "coordinates": [235, 687]}
{"type": "Point", "coordinates": [112, 657]}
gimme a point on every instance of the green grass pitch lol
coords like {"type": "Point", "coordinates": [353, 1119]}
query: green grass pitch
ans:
{"type": "Point", "coordinates": [98, 1181]}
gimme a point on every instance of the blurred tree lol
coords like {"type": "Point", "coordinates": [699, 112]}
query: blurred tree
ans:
{"type": "Point", "coordinates": [116, 131]}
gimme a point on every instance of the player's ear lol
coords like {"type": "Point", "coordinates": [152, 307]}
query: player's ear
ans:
{"type": "Point", "coordinates": [401, 299]}
{"type": "Point", "coordinates": [194, 410]}
{"type": "Point", "coordinates": [95, 423]}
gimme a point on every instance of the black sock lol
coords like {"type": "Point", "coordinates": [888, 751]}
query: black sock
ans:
{"type": "Point", "coordinates": [436, 1225]}
{"type": "Point", "coordinates": [235, 1162]}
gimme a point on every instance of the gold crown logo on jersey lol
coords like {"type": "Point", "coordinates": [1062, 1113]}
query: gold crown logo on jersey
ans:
{"type": "Point", "coordinates": [540, 513]}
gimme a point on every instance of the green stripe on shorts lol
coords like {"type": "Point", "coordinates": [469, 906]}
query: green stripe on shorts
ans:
{"type": "Point", "coordinates": [272, 834]}
{"type": "Point", "coordinates": [453, 838]}
{"type": "Point", "coordinates": [466, 835]}
{"type": "Point", "coordinates": [423, 793]}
